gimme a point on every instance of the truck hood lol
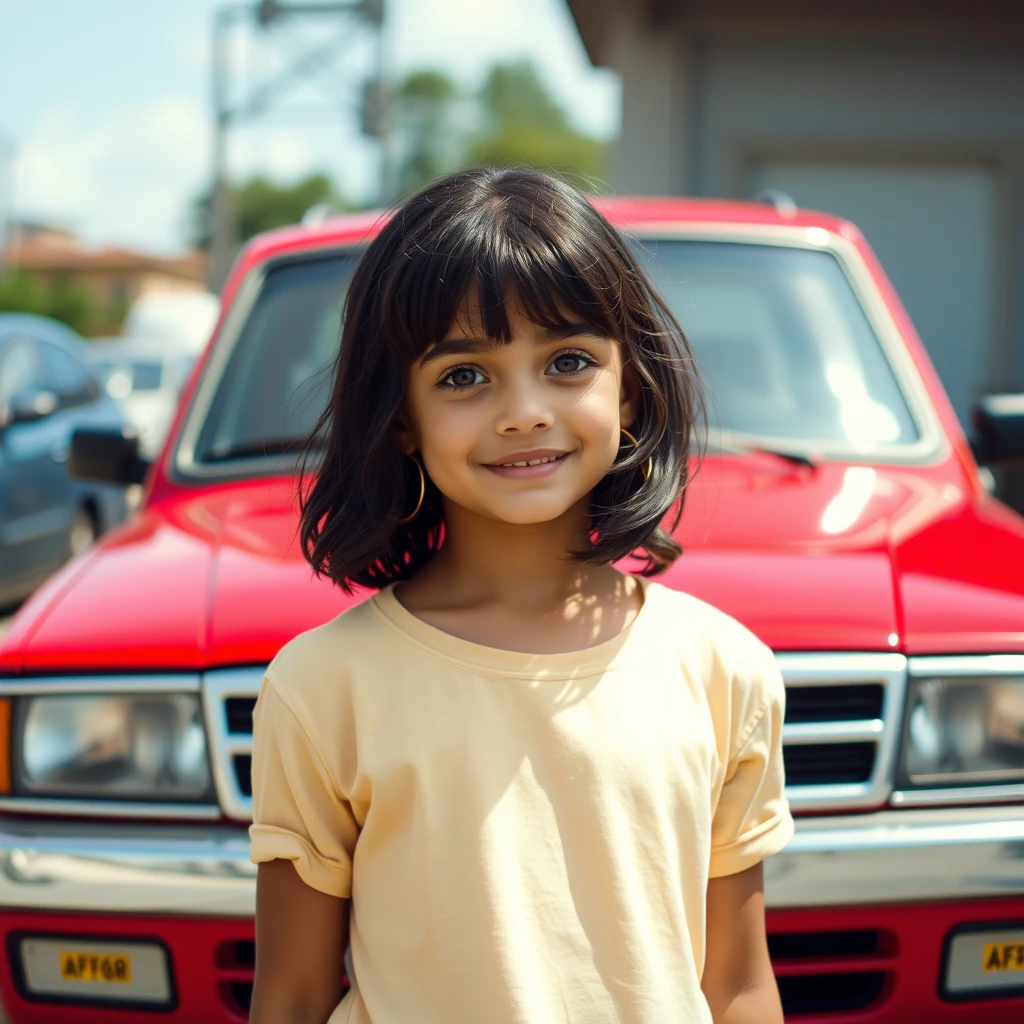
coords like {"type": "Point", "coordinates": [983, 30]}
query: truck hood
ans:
{"type": "Point", "coordinates": [832, 557]}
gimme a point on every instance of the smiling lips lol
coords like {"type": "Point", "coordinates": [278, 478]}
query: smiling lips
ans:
{"type": "Point", "coordinates": [528, 465]}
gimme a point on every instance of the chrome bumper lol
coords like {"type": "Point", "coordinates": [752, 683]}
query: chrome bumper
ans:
{"type": "Point", "coordinates": [890, 856]}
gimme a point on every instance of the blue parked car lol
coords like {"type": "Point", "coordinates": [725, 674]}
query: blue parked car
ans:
{"type": "Point", "coordinates": [46, 393]}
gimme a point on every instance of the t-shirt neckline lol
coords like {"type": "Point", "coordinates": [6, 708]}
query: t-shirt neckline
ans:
{"type": "Point", "coordinates": [509, 663]}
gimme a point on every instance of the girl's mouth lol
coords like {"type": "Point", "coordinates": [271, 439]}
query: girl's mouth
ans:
{"type": "Point", "coordinates": [529, 468]}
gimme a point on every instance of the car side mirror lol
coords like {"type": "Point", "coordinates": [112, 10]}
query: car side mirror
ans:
{"type": "Point", "coordinates": [110, 455]}
{"type": "Point", "coordinates": [999, 429]}
{"type": "Point", "coordinates": [28, 405]}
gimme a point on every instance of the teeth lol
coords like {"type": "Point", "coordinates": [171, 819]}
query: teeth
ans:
{"type": "Point", "coordinates": [533, 462]}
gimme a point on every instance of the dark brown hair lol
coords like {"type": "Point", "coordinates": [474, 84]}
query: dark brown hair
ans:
{"type": "Point", "coordinates": [514, 235]}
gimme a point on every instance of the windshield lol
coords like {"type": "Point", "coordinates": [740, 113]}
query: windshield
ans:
{"type": "Point", "coordinates": [787, 352]}
{"type": "Point", "coordinates": [785, 347]}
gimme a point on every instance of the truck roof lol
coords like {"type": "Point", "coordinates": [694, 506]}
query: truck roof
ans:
{"type": "Point", "coordinates": [627, 212]}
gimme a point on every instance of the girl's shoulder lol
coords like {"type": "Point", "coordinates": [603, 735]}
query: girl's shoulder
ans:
{"type": "Point", "coordinates": [327, 658]}
{"type": "Point", "coordinates": [699, 628]}
{"type": "Point", "coordinates": [737, 670]}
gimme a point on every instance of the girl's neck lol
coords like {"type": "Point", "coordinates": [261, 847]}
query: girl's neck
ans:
{"type": "Point", "coordinates": [526, 566]}
{"type": "Point", "coordinates": [516, 587]}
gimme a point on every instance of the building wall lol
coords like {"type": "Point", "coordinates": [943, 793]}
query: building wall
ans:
{"type": "Point", "coordinates": [921, 143]}
{"type": "Point", "coordinates": [647, 157]}
{"type": "Point", "coordinates": [914, 130]}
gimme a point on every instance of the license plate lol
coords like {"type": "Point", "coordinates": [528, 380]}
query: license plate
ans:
{"type": "Point", "coordinates": [85, 971]}
{"type": "Point", "coordinates": [110, 968]}
{"type": "Point", "coordinates": [990, 961]}
{"type": "Point", "coordinates": [1002, 956]}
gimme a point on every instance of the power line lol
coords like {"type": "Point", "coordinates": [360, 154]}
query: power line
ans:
{"type": "Point", "coordinates": [273, 21]}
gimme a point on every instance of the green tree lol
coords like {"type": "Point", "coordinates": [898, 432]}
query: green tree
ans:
{"type": "Point", "coordinates": [62, 299]}
{"type": "Point", "coordinates": [260, 205]}
{"type": "Point", "coordinates": [511, 120]}
{"type": "Point", "coordinates": [427, 102]}
{"type": "Point", "coordinates": [525, 125]}
{"type": "Point", "coordinates": [20, 293]}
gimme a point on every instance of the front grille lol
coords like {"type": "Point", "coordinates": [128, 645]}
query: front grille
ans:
{"type": "Point", "coordinates": [235, 965]}
{"type": "Point", "coordinates": [832, 972]}
{"type": "Point", "coordinates": [830, 993]}
{"type": "Point", "coordinates": [828, 764]}
{"type": "Point", "coordinates": [827, 945]}
{"type": "Point", "coordinates": [229, 696]}
{"type": "Point", "coordinates": [242, 765]}
{"type": "Point", "coordinates": [838, 738]}
{"type": "Point", "coordinates": [855, 703]}
{"type": "Point", "coordinates": [840, 729]}
{"type": "Point", "coordinates": [238, 711]}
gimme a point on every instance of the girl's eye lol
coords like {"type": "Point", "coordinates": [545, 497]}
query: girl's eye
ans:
{"type": "Point", "coordinates": [567, 363]}
{"type": "Point", "coordinates": [462, 377]}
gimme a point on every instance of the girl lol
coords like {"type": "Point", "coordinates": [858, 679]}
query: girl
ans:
{"type": "Point", "coordinates": [521, 786]}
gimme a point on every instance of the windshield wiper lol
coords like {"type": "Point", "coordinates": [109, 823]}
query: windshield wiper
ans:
{"type": "Point", "coordinates": [796, 458]}
{"type": "Point", "coordinates": [268, 447]}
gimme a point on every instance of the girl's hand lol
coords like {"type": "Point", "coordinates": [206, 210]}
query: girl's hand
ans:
{"type": "Point", "coordinates": [301, 938]}
{"type": "Point", "coordinates": [738, 982]}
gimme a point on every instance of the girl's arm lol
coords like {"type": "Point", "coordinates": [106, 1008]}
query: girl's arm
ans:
{"type": "Point", "coordinates": [738, 982]}
{"type": "Point", "coordinates": [301, 938]}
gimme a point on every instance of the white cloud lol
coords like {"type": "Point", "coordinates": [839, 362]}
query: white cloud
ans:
{"type": "Point", "coordinates": [122, 165]}
{"type": "Point", "coordinates": [126, 180]}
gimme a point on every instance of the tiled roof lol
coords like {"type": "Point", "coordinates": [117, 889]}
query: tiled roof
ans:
{"type": "Point", "coordinates": [50, 256]}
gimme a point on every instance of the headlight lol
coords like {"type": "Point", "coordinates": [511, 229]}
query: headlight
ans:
{"type": "Point", "coordinates": [120, 747]}
{"type": "Point", "coordinates": [965, 731]}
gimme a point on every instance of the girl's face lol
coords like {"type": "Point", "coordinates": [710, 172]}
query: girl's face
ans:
{"type": "Point", "coordinates": [518, 432]}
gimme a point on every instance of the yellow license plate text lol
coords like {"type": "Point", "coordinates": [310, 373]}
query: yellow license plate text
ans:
{"type": "Point", "coordinates": [1003, 956]}
{"type": "Point", "coordinates": [101, 967]}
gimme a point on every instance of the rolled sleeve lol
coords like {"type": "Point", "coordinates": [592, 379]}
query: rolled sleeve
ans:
{"type": "Point", "coordinates": [299, 813]}
{"type": "Point", "coordinates": [752, 819]}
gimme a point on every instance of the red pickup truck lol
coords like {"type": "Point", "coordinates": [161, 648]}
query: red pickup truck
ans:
{"type": "Point", "coordinates": [839, 513]}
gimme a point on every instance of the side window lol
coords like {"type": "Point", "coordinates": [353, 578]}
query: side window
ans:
{"type": "Point", "coordinates": [20, 368]}
{"type": "Point", "coordinates": [66, 376]}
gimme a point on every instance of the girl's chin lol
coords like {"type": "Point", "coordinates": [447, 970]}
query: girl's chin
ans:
{"type": "Point", "coordinates": [533, 514]}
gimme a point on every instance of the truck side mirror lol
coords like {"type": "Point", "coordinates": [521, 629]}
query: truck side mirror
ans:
{"type": "Point", "coordinates": [999, 429]}
{"type": "Point", "coordinates": [110, 455]}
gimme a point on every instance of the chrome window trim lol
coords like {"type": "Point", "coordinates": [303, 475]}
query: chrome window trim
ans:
{"type": "Point", "coordinates": [218, 686]}
{"type": "Point", "coordinates": [127, 809]}
{"type": "Point", "coordinates": [932, 446]}
{"type": "Point", "coordinates": [829, 668]}
{"type": "Point", "coordinates": [864, 731]}
{"type": "Point", "coordinates": [958, 795]}
{"type": "Point", "coordinates": [183, 463]}
{"type": "Point", "coordinates": [962, 666]}
{"type": "Point", "coordinates": [100, 686]}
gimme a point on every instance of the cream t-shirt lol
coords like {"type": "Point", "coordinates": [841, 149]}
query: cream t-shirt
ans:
{"type": "Point", "coordinates": [526, 838]}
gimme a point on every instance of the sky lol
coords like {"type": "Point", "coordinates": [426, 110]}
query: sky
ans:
{"type": "Point", "coordinates": [108, 102]}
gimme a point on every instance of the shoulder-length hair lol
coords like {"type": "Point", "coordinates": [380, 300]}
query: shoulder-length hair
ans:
{"type": "Point", "coordinates": [513, 235]}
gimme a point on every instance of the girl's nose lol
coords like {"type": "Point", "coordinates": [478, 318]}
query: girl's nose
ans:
{"type": "Point", "coordinates": [524, 410]}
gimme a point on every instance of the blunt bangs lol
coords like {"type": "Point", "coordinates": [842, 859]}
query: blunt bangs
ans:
{"type": "Point", "coordinates": [507, 238]}
{"type": "Point", "coordinates": [501, 252]}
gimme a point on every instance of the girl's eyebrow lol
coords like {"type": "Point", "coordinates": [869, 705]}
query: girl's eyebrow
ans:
{"type": "Point", "coordinates": [469, 345]}
{"type": "Point", "coordinates": [457, 347]}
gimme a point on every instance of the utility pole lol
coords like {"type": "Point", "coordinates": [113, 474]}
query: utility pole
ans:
{"type": "Point", "coordinates": [7, 154]}
{"type": "Point", "coordinates": [232, 106]}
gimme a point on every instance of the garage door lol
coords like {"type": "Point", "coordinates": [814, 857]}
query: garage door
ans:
{"type": "Point", "coordinates": [933, 227]}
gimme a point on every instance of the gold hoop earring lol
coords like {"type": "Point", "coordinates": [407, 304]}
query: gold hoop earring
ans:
{"type": "Point", "coordinates": [648, 467]}
{"type": "Point", "coordinates": [423, 490]}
